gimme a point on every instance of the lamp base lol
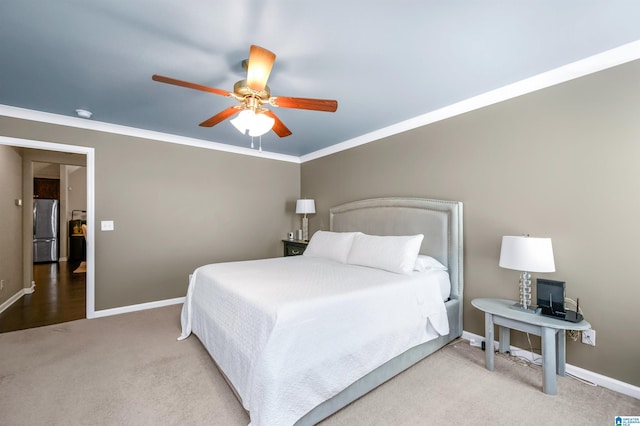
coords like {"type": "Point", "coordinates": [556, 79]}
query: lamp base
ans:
{"type": "Point", "coordinates": [525, 290]}
{"type": "Point", "coordinates": [305, 228]}
{"type": "Point", "coordinates": [529, 309]}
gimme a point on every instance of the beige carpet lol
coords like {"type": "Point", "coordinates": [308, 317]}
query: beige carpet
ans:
{"type": "Point", "coordinates": [130, 370]}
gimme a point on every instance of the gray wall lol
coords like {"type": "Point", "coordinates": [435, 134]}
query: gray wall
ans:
{"type": "Point", "coordinates": [561, 163]}
{"type": "Point", "coordinates": [175, 208]}
{"type": "Point", "coordinates": [10, 222]}
{"type": "Point", "coordinates": [76, 189]}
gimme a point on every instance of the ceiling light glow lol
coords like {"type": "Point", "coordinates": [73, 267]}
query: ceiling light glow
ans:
{"type": "Point", "coordinates": [255, 124]}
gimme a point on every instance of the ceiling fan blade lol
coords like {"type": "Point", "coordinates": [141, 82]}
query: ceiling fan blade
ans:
{"type": "Point", "coordinates": [278, 126]}
{"type": "Point", "coordinates": [260, 63]}
{"type": "Point", "coordinates": [219, 117]}
{"type": "Point", "coordinates": [304, 103]}
{"type": "Point", "coordinates": [169, 80]}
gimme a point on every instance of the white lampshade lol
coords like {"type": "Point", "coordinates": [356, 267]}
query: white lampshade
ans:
{"type": "Point", "coordinates": [256, 124]}
{"type": "Point", "coordinates": [527, 254]}
{"type": "Point", "coordinates": [305, 206]}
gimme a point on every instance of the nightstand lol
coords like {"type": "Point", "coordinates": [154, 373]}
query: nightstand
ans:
{"type": "Point", "coordinates": [294, 247]}
{"type": "Point", "coordinates": [552, 331]}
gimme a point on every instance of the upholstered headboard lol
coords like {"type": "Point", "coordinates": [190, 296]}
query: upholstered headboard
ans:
{"type": "Point", "coordinates": [439, 221]}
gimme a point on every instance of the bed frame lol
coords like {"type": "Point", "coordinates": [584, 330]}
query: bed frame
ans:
{"type": "Point", "coordinates": [441, 224]}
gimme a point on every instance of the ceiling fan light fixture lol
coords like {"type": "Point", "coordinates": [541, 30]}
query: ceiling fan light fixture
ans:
{"type": "Point", "coordinates": [255, 124]}
{"type": "Point", "coordinates": [261, 124]}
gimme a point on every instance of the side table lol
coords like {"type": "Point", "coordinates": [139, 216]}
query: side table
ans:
{"type": "Point", "coordinates": [553, 332]}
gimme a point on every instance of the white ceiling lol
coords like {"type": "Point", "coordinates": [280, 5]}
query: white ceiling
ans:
{"type": "Point", "coordinates": [384, 61]}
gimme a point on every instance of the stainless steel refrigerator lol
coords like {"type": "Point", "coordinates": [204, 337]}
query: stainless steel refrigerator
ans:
{"type": "Point", "coordinates": [45, 230]}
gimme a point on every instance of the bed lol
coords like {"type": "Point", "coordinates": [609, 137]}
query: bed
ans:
{"type": "Point", "coordinates": [299, 338]}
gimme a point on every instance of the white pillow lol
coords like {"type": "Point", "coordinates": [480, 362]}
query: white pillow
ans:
{"type": "Point", "coordinates": [392, 253]}
{"type": "Point", "coordinates": [427, 262]}
{"type": "Point", "coordinates": [330, 245]}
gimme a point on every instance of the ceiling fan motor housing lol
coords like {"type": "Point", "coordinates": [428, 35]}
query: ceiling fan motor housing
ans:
{"type": "Point", "coordinates": [242, 91]}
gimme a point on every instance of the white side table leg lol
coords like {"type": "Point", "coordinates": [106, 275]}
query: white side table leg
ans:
{"type": "Point", "coordinates": [549, 360]}
{"type": "Point", "coordinates": [561, 352]}
{"type": "Point", "coordinates": [488, 341]}
{"type": "Point", "coordinates": [504, 335]}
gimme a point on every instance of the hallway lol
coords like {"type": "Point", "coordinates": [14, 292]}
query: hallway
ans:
{"type": "Point", "coordinates": [59, 296]}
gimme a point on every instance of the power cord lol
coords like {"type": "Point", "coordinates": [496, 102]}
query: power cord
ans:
{"type": "Point", "coordinates": [537, 361]}
{"type": "Point", "coordinates": [523, 360]}
{"type": "Point", "coordinates": [581, 380]}
{"type": "Point", "coordinates": [573, 335]}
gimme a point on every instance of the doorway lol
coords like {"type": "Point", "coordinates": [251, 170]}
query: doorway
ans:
{"type": "Point", "coordinates": [59, 267]}
{"type": "Point", "coordinates": [29, 272]}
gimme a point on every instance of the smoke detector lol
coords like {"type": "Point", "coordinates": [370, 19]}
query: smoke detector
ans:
{"type": "Point", "coordinates": [83, 113]}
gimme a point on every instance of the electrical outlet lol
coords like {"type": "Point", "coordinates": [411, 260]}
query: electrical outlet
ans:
{"type": "Point", "coordinates": [106, 225]}
{"type": "Point", "coordinates": [589, 337]}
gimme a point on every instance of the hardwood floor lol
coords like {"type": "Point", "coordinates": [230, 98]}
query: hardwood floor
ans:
{"type": "Point", "coordinates": [59, 296]}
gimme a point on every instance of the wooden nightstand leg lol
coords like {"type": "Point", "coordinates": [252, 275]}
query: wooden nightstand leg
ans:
{"type": "Point", "coordinates": [488, 341]}
{"type": "Point", "coordinates": [549, 360]}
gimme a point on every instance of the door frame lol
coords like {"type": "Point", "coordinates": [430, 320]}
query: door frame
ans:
{"type": "Point", "coordinates": [90, 153]}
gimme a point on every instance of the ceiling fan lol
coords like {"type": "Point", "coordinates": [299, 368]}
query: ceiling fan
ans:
{"type": "Point", "coordinates": [253, 94]}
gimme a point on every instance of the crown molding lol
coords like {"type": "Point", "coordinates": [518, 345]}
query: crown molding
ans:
{"type": "Point", "coordinates": [81, 123]}
{"type": "Point", "coordinates": [592, 64]}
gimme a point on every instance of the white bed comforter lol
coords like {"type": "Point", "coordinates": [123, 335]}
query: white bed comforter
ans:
{"type": "Point", "coordinates": [291, 332]}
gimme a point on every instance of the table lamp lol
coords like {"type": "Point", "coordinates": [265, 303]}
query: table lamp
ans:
{"type": "Point", "coordinates": [305, 206]}
{"type": "Point", "coordinates": [526, 254]}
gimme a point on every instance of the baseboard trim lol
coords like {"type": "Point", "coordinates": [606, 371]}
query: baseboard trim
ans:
{"type": "Point", "coordinates": [138, 307]}
{"type": "Point", "coordinates": [10, 301]}
{"type": "Point", "coordinates": [598, 379]}
{"type": "Point", "coordinates": [13, 299]}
